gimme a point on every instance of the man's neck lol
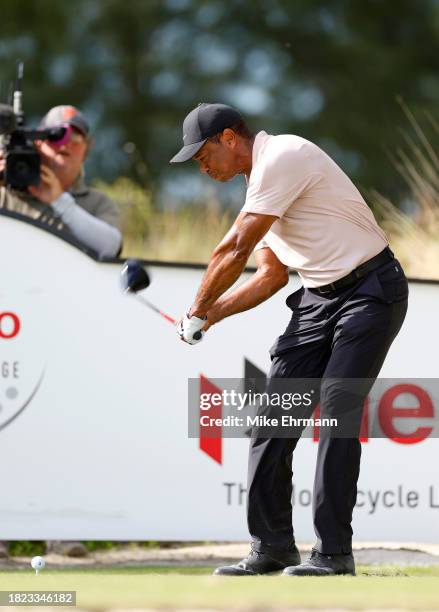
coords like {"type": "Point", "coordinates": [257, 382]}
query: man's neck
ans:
{"type": "Point", "coordinates": [76, 184]}
{"type": "Point", "coordinates": [249, 158]}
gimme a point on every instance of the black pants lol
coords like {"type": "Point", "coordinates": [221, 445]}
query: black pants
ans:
{"type": "Point", "coordinates": [343, 334]}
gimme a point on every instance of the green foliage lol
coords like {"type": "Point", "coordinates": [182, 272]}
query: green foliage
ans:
{"type": "Point", "coordinates": [92, 545]}
{"type": "Point", "coordinates": [27, 548]}
{"type": "Point", "coordinates": [30, 548]}
{"type": "Point", "coordinates": [329, 71]}
{"type": "Point", "coordinates": [135, 204]}
{"type": "Point", "coordinates": [148, 544]}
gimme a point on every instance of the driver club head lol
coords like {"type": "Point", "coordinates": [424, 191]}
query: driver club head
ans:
{"type": "Point", "coordinates": [134, 277]}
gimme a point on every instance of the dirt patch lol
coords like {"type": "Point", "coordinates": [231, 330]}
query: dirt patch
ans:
{"type": "Point", "coordinates": [366, 553]}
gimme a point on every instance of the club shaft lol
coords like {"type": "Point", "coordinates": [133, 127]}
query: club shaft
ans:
{"type": "Point", "coordinates": [155, 309]}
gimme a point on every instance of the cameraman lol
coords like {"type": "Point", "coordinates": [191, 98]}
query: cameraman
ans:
{"type": "Point", "coordinates": [65, 202]}
{"type": "Point", "coordinates": [62, 199]}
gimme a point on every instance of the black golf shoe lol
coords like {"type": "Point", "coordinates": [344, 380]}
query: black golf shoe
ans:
{"type": "Point", "coordinates": [260, 563]}
{"type": "Point", "coordinates": [323, 565]}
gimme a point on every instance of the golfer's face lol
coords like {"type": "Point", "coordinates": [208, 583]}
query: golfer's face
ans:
{"type": "Point", "coordinates": [217, 161]}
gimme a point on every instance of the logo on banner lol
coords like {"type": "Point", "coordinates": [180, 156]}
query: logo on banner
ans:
{"type": "Point", "coordinates": [9, 325]}
{"type": "Point", "coordinates": [211, 441]}
{"type": "Point", "coordinates": [21, 374]}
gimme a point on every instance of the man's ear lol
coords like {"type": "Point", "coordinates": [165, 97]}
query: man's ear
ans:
{"type": "Point", "coordinates": [228, 138]}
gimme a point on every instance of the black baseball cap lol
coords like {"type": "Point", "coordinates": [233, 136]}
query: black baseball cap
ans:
{"type": "Point", "coordinates": [204, 121]}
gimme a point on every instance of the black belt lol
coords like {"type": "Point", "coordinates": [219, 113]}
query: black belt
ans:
{"type": "Point", "coordinates": [359, 272]}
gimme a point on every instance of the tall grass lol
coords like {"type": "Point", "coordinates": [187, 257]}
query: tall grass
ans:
{"type": "Point", "coordinates": [415, 237]}
{"type": "Point", "coordinates": [190, 233]}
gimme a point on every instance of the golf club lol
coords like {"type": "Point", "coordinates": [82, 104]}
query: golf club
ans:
{"type": "Point", "coordinates": [135, 278]}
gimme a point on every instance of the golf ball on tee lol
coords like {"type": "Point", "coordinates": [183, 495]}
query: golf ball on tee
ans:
{"type": "Point", "coordinates": [38, 563]}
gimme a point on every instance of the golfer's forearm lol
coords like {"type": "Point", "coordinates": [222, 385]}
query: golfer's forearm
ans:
{"type": "Point", "coordinates": [224, 269]}
{"type": "Point", "coordinates": [256, 290]}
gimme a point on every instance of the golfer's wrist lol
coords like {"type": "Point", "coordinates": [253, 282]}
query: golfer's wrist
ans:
{"type": "Point", "coordinates": [215, 315]}
{"type": "Point", "coordinates": [195, 311]}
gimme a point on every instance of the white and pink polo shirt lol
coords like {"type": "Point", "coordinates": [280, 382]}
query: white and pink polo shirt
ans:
{"type": "Point", "coordinates": [325, 228]}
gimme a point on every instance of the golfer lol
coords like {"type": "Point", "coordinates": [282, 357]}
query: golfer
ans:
{"type": "Point", "coordinates": [302, 212]}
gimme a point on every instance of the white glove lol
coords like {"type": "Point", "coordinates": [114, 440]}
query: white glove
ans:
{"type": "Point", "coordinates": [189, 329]}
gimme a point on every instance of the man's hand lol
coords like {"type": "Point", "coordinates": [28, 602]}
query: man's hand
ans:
{"type": "Point", "coordinates": [190, 329]}
{"type": "Point", "coordinates": [49, 189]}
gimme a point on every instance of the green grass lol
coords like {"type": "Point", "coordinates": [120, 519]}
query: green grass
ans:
{"type": "Point", "coordinates": [411, 588]}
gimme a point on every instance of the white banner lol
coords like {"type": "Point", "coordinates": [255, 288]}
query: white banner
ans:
{"type": "Point", "coordinates": [93, 408]}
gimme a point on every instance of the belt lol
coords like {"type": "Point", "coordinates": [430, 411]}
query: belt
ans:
{"type": "Point", "coordinates": [363, 269]}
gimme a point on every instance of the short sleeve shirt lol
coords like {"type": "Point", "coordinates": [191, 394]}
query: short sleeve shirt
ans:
{"type": "Point", "coordinates": [324, 228]}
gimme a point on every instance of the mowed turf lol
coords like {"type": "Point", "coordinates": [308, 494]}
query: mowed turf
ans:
{"type": "Point", "coordinates": [410, 588]}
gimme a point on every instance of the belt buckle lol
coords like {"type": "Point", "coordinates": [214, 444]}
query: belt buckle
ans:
{"type": "Point", "coordinates": [330, 287]}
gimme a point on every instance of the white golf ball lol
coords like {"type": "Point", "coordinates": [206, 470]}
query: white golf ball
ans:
{"type": "Point", "coordinates": [38, 563]}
